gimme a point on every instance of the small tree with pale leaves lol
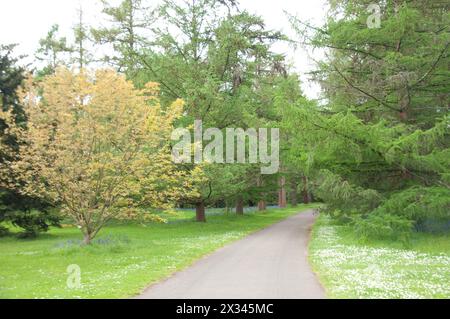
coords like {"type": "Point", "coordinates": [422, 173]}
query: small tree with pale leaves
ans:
{"type": "Point", "coordinates": [96, 147]}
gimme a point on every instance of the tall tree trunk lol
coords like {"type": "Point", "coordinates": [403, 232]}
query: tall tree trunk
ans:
{"type": "Point", "coordinates": [240, 206]}
{"type": "Point", "coordinates": [294, 198]}
{"type": "Point", "coordinates": [305, 191]}
{"type": "Point", "coordinates": [200, 212]}
{"type": "Point", "coordinates": [282, 202]}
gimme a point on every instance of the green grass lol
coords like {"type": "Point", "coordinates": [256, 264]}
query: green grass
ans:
{"type": "Point", "coordinates": [124, 260]}
{"type": "Point", "coordinates": [349, 268]}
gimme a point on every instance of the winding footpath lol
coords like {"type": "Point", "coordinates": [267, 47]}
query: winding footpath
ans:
{"type": "Point", "coordinates": [270, 264]}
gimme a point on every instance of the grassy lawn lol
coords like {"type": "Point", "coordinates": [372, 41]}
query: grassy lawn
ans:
{"type": "Point", "coordinates": [124, 259]}
{"type": "Point", "coordinates": [350, 269]}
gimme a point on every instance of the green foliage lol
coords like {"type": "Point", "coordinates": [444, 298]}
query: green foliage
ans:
{"type": "Point", "coordinates": [11, 77]}
{"type": "Point", "coordinates": [25, 212]}
{"type": "Point", "coordinates": [29, 214]}
{"type": "Point", "coordinates": [219, 59]}
{"type": "Point", "coordinates": [418, 204]}
{"type": "Point", "coordinates": [393, 218]}
{"type": "Point", "coordinates": [379, 148]}
{"type": "Point", "coordinates": [3, 231]}
{"type": "Point", "coordinates": [33, 222]}
{"type": "Point", "coordinates": [341, 195]}
{"type": "Point", "coordinates": [82, 37]}
{"type": "Point", "coordinates": [378, 143]}
{"type": "Point", "coordinates": [128, 21]}
{"type": "Point", "coordinates": [52, 51]}
{"type": "Point", "coordinates": [383, 226]}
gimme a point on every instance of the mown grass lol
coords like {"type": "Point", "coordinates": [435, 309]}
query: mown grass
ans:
{"type": "Point", "coordinates": [349, 268]}
{"type": "Point", "coordinates": [125, 258]}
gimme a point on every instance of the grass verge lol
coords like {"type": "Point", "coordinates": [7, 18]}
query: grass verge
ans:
{"type": "Point", "coordinates": [351, 269]}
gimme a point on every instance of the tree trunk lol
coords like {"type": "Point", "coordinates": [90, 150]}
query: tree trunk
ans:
{"type": "Point", "coordinates": [403, 116]}
{"type": "Point", "coordinates": [294, 199]}
{"type": "Point", "coordinates": [261, 203]}
{"type": "Point", "coordinates": [305, 191]}
{"type": "Point", "coordinates": [240, 206]}
{"type": "Point", "coordinates": [282, 202]}
{"type": "Point", "coordinates": [262, 206]}
{"type": "Point", "coordinates": [87, 239]}
{"type": "Point", "coordinates": [200, 212]}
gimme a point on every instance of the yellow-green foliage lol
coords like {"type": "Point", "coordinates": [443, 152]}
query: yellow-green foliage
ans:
{"type": "Point", "coordinates": [97, 147]}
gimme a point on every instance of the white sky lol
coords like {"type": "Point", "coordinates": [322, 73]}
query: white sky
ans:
{"type": "Point", "coordinates": [26, 21]}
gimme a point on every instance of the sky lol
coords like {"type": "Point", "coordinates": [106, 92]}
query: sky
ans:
{"type": "Point", "coordinates": [26, 21]}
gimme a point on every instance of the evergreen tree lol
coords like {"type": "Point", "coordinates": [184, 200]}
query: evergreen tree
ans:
{"type": "Point", "coordinates": [211, 54]}
{"type": "Point", "coordinates": [25, 212]}
{"type": "Point", "coordinates": [130, 22]}
{"type": "Point", "coordinates": [53, 51]}
{"type": "Point", "coordinates": [82, 55]}
{"type": "Point", "coordinates": [380, 147]}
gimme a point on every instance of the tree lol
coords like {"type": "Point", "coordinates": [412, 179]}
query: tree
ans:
{"type": "Point", "coordinates": [83, 57]}
{"type": "Point", "coordinates": [209, 53]}
{"type": "Point", "coordinates": [11, 77]}
{"type": "Point", "coordinates": [97, 147]}
{"type": "Point", "coordinates": [26, 212]}
{"type": "Point", "coordinates": [383, 136]}
{"type": "Point", "coordinates": [130, 23]}
{"type": "Point", "coordinates": [53, 51]}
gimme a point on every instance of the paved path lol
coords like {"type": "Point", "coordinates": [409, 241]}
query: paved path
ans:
{"type": "Point", "coordinates": [270, 264]}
